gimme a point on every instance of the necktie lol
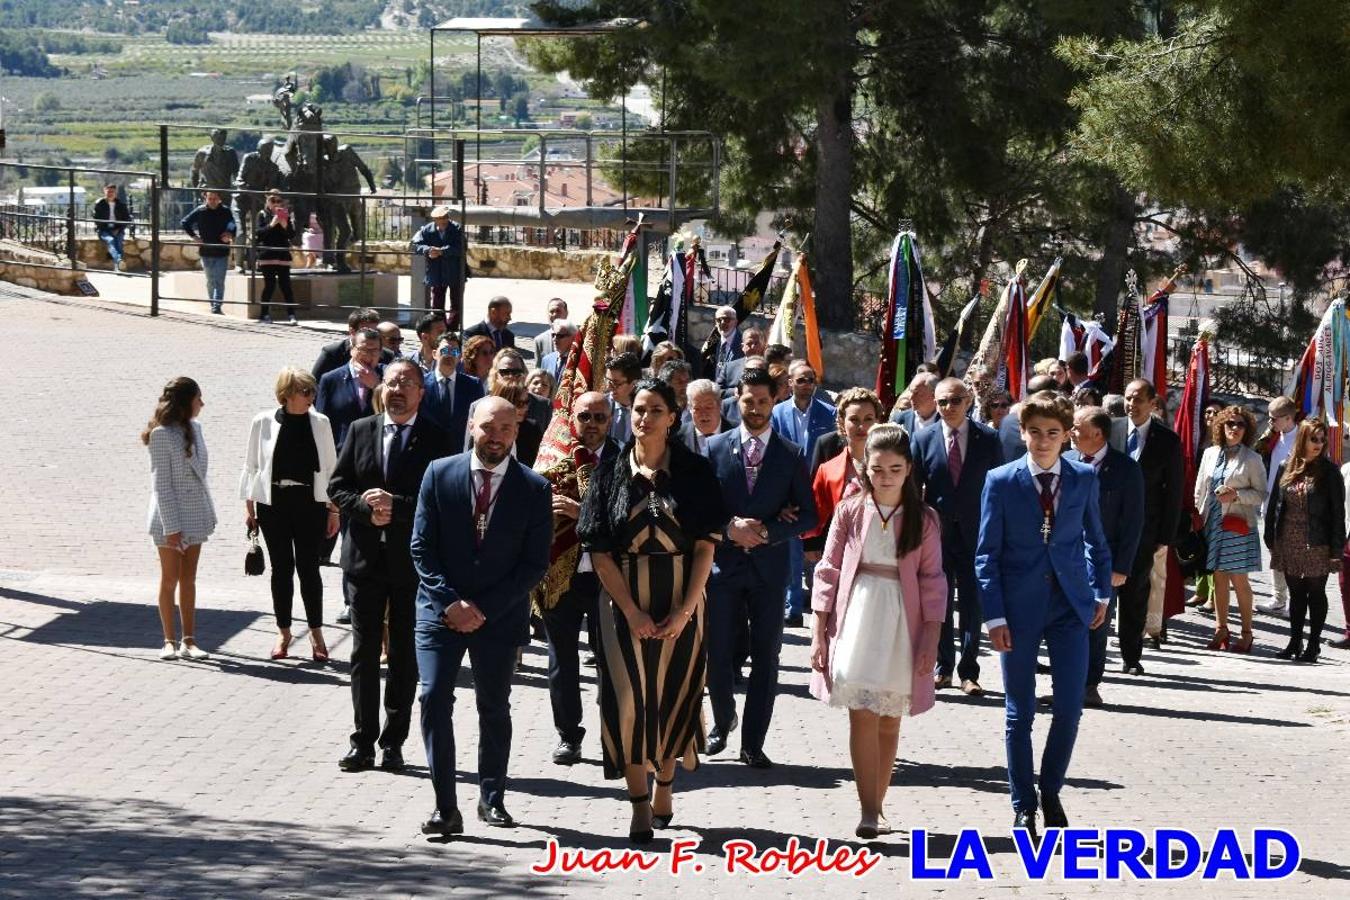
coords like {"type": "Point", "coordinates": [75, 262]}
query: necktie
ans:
{"type": "Point", "coordinates": [447, 392]}
{"type": "Point", "coordinates": [1047, 498]}
{"type": "Point", "coordinates": [1132, 445]}
{"type": "Point", "coordinates": [954, 458]}
{"type": "Point", "coordinates": [481, 504]}
{"type": "Point", "coordinates": [754, 454]}
{"type": "Point", "coordinates": [497, 338]}
{"type": "Point", "coordinates": [395, 449]}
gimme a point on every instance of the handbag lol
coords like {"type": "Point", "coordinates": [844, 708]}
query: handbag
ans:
{"type": "Point", "coordinates": [1192, 550]}
{"type": "Point", "coordinates": [254, 563]}
{"type": "Point", "coordinates": [1235, 524]}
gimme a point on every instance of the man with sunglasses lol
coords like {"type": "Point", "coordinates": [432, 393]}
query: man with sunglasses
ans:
{"type": "Point", "coordinates": [449, 392]}
{"type": "Point", "coordinates": [562, 621]}
{"type": "Point", "coordinates": [803, 418]}
{"type": "Point", "coordinates": [951, 462]}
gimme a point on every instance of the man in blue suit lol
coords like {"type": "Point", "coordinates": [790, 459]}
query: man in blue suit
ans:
{"type": "Point", "coordinates": [922, 412]}
{"type": "Point", "coordinates": [480, 542]}
{"type": "Point", "coordinates": [1044, 570]}
{"type": "Point", "coordinates": [802, 418]}
{"type": "Point", "coordinates": [345, 393]}
{"type": "Point", "coordinates": [765, 488]}
{"type": "Point", "coordinates": [951, 462]}
{"type": "Point", "coordinates": [449, 393]}
{"type": "Point", "coordinates": [1120, 484]}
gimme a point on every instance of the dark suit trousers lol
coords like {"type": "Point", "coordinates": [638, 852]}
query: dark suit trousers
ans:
{"type": "Point", "coordinates": [1066, 638]}
{"type": "Point", "coordinates": [562, 624]}
{"type": "Point", "coordinates": [1097, 639]}
{"type": "Point", "coordinates": [440, 652]}
{"type": "Point", "coordinates": [963, 596]}
{"type": "Point", "coordinates": [370, 596]}
{"type": "Point", "coordinates": [730, 601]}
{"type": "Point", "coordinates": [1134, 609]}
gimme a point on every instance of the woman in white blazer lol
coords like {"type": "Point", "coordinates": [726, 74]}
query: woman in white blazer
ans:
{"type": "Point", "coordinates": [1230, 486]}
{"type": "Point", "coordinates": [284, 486]}
{"type": "Point", "coordinates": [182, 516]}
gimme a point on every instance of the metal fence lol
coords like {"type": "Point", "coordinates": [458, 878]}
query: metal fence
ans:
{"type": "Point", "coordinates": [1232, 370]}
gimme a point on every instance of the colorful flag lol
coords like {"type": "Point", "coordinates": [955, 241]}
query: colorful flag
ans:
{"type": "Point", "coordinates": [1016, 340]}
{"type": "Point", "coordinates": [1318, 383]}
{"type": "Point", "coordinates": [785, 322]}
{"type": "Point", "coordinates": [814, 355]}
{"type": "Point", "coordinates": [1127, 354]}
{"type": "Point", "coordinates": [1154, 344]}
{"type": "Point", "coordinates": [1190, 419]}
{"type": "Point", "coordinates": [907, 340]}
{"type": "Point", "coordinates": [1086, 337]}
{"type": "Point", "coordinates": [748, 301]}
{"type": "Point", "coordinates": [959, 335]}
{"type": "Point", "coordinates": [1043, 298]}
{"type": "Point", "coordinates": [632, 256]}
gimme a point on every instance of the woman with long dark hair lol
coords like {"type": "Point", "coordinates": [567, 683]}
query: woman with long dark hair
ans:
{"type": "Point", "coordinates": [650, 519]}
{"type": "Point", "coordinates": [1305, 532]}
{"type": "Point", "coordinates": [182, 515]}
{"type": "Point", "coordinates": [880, 600]}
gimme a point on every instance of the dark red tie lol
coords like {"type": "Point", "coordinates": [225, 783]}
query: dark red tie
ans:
{"type": "Point", "coordinates": [954, 458]}
{"type": "Point", "coordinates": [482, 503]}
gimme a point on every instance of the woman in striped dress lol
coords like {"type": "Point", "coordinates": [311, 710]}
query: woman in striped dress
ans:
{"type": "Point", "coordinates": [1230, 486]}
{"type": "Point", "coordinates": [649, 521]}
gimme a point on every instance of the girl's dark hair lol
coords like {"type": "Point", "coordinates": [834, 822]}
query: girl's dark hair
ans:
{"type": "Point", "coordinates": [660, 389]}
{"type": "Point", "coordinates": [174, 409]}
{"type": "Point", "coordinates": [892, 438]}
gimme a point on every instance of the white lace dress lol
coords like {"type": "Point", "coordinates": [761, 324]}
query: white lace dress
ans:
{"type": "Point", "coordinates": [873, 661]}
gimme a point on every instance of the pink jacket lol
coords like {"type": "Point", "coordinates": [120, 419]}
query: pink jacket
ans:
{"type": "Point", "coordinates": [922, 584]}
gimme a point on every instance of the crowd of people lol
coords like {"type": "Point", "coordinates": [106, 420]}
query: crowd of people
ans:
{"type": "Point", "coordinates": [712, 510]}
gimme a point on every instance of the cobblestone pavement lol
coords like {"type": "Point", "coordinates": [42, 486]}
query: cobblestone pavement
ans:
{"type": "Point", "coordinates": [122, 774]}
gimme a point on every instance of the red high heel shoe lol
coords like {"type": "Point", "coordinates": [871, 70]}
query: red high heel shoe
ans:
{"type": "Point", "coordinates": [1220, 639]}
{"type": "Point", "coordinates": [1244, 643]}
{"type": "Point", "coordinates": [282, 652]}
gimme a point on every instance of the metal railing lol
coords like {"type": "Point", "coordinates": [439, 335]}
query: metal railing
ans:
{"type": "Point", "coordinates": [1232, 370]}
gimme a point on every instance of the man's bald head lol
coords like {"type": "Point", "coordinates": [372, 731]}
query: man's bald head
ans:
{"type": "Point", "coordinates": [493, 429]}
{"type": "Point", "coordinates": [590, 419]}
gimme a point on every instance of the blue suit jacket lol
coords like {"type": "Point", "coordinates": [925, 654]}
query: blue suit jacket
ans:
{"type": "Point", "coordinates": [820, 420]}
{"type": "Point", "coordinates": [1013, 564]}
{"type": "Point", "coordinates": [498, 576]}
{"type": "Point", "coordinates": [782, 482]}
{"type": "Point", "coordinates": [451, 417]}
{"type": "Point", "coordinates": [1120, 483]}
{"type": "Point", "coordinates": [338, 399]}
{"type": "Point", "coordinates": [957, 504]}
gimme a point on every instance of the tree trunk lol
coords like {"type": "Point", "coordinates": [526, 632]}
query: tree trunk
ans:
{"type": "Point", "coordinates": [1117, 239]}
{"type": "Point", "coordinates": [832, 235]}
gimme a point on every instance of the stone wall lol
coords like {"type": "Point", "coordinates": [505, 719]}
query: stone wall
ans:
{"type": "Point", "coordinates": [32, 268]}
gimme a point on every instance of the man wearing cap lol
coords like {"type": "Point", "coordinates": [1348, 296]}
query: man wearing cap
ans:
{"type": "Point", "coordinates": [442, 243]}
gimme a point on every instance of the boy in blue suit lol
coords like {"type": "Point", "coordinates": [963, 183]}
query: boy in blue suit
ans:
{"type": "Point", "coordinates": [1044, 571]}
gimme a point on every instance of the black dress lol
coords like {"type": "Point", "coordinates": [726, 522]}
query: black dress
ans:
{"type": "Point", "coordinates": [651, 691]}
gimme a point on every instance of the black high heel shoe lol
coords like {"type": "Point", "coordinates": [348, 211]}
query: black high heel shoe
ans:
{"type": "Point", "coordinates": [1310, 652]}
{"type": "Point", "coordinates": [1291, 651]}
{"type": "Point", "coordinates": [660, 822]}
{"type": "Point", "coordinates": [645, 836]}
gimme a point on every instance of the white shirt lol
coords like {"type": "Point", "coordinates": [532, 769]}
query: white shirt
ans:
{"type": "Point", "coordinates": [1142, 431]}
{"type": "Point", "coordinates": [920, 423]}
{"type": "Point", "coordinates": [962, 436]}
{"type": "Point", "coordinates": [498, 473]}
{"type": "Point", "coordinates": [1278, 454]}
{"type": "Point", "coordinates": [361, 390]}
{"type": "Point", "coordinates": [1095, 460]}
{"type": "Point", "coordinates": [1035, 470]}
{"type": "Point", "coordinates": [745, 436]}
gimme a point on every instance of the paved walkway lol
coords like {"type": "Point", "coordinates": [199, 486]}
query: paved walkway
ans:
{"type": "Point", "coordinates": [121, 774]}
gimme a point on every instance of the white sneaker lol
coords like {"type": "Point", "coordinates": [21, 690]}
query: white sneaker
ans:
{"type": "Point", "coordinates": [168, 652]}
{"type": "Point", "coordinates": [1274, 608]}
{"type": "Point", "coordinates": [191, 651]}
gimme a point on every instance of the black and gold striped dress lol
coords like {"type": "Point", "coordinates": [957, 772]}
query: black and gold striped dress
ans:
{"type": "Point", "coordinates": [651, 691]}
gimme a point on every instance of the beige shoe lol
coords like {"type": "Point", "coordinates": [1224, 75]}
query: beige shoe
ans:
{"type": "Point", "coordinates": [191, 651]}
{"type": "Point", "coordinates": [168, 652]}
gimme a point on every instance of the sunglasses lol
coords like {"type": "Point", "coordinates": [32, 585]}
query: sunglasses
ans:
{"type": "Point", "coordinates": [951, 401]}
{"type": "Point", "coordinates": [510, 371]}
{"type": "Point", "coordinates": [449, 351]}
{"type": "Point", "coordinates": [1317, 440]}
{"type": "Point", "coordinates": [804, 380]}
{"type": "Point", "coordinates": [305, 391]}
{"type": "Point", "coordinates": [999, 405]}
{"type": "Point", "coordinates": [1238, 426]}
{"type": "Point", "coordinates": [587, 417]}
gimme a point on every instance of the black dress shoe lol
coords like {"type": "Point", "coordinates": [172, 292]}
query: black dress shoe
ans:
{"type": "Point", "coordinates": [717, 741]}
{"type": "Point", "coordinates": [392, 761]}
{"type": "Point", "coordinates": [756, 759]}
{"type": "Point", "coordinates": [496, 816]}
{"type": "Point", "coordinates": [793, 621]}
{"type": "Point", "coordinates": [1132, 669]}
{"type": "Point", "coordinates": [1052, 812]}
{"type": "Point", "coordinates": [567, 753]}
{"type": "Point", "coordinates": [356, 761]}
{"type": "Point", "coordinates": [345, 617]}
{"type": "Point", "coordinates": [444, 825]}
{"type": "Point", "coordinates": [1093, 698]}
{"type": "Point", "coordinates": [1027, 819]}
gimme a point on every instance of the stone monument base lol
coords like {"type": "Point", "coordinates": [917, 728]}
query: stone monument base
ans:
{"type": "Point", "coordinates": [319, 293]}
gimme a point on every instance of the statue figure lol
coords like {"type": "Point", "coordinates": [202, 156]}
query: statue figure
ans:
{"type": "Point", "coordinates": [258, 173]}
{"type": "Point", "coordinates": [302, 152]}
{"type": "Point", "coordinates": [343, 171]}
{"type": "Point", "coordinates": [282, 98]}
{"type": "Point", "coordinates": [214, 166]}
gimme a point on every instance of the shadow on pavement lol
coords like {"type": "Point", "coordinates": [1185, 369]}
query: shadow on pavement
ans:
{"type": "Point", "coordinates": [62, 846]}
{"type": "Point", "coordinates": [986, 779]}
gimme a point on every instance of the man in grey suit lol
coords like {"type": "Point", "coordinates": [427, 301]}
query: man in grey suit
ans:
{"type": "Point", "coordinates": [543, 341]}
{"type": "Point", "coordinates": [922, 411]}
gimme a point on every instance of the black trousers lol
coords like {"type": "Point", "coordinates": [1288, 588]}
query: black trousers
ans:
{"type": "Point", "coordinates": [733, 600]}
{"type": "Point", "coordinates": [369, 599]}
{"type": "Point", "coordinates": [1133, 608]}
{"type": "Point", "coordinates": [274, 277]}
{"type": "Point", "coordinates": [963, 598]}
{"type": "Point", "coordinates": [1307, 597]}
{"type": "Point", "coordinates": [292, 526]}
{"type": "Point", "coordinates": [562, 625]}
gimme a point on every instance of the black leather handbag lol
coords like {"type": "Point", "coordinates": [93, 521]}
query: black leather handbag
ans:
{"type": "Point", "coordinates": [1192, 553]}
{"type": "Point", "coordinates": [254, 563]}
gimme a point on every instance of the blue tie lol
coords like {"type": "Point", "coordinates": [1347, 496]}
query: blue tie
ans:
{"type": "Point", "coordinates": [1132, 445]}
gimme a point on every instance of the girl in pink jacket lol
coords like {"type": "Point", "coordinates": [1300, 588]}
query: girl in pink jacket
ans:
{"type": "Point", "coordinates": [880, 599]}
